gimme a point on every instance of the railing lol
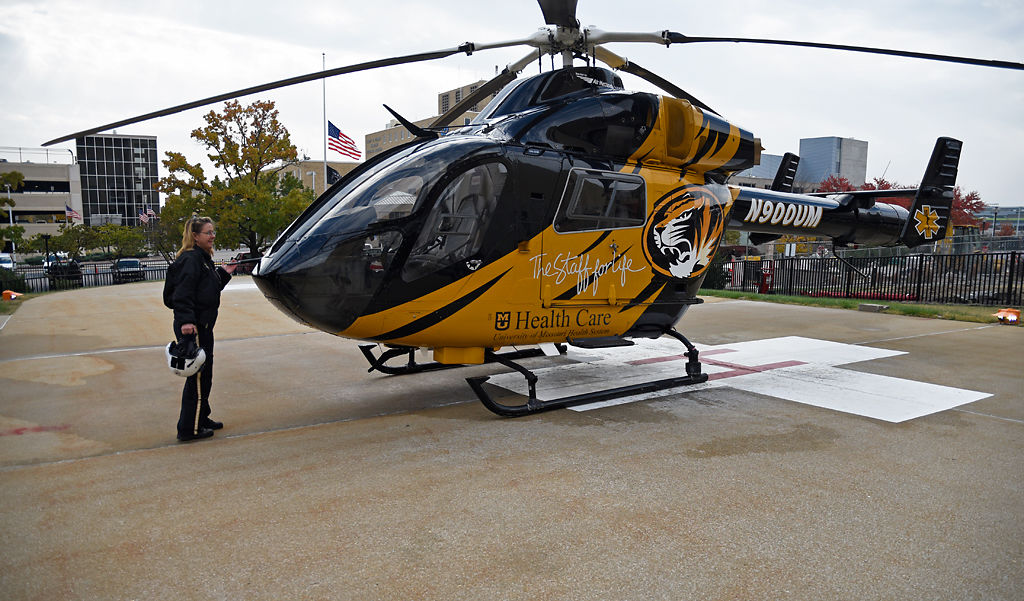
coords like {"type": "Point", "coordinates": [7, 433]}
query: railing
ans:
{"type": "Point", "coordinates": [984, 278]}
{"type": "Point", "coordinates": [37, 279]}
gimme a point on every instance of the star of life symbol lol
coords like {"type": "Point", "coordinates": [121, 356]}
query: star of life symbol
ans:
{"type": "Point", "coordinates": [926, 222]}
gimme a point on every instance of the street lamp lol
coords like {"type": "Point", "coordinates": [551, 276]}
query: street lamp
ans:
{"type": "Point", "coordinates": [46, 243]}
{"type": "Point", "coordinates": [313, 173]}
{"type": "Point", "coordinates": [10, 213]}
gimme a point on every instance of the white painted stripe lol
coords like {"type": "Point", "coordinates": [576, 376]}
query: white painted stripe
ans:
{"type": "Point", "coordinates": [930, 334]}
{"type": "Point", "coordinates": [815, 380]}
{"type": "Point", "coordinates": [870, 395]}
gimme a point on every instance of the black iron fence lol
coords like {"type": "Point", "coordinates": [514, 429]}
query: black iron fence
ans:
{"type": "Point", "coordinates": [977, 278]}
{"type": "Point", "coordinates": [64, 276]}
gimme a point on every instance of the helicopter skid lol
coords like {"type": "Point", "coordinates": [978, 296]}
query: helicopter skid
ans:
{"type": "Point", "coordinates": [694, 375]}
{"type": "Point", "coordinates": [379, 363]}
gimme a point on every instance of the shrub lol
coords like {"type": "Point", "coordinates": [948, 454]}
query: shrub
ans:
{"type": "Point", "coordinates": [10, 280]}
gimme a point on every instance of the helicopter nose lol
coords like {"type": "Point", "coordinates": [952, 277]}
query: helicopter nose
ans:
{"type": "Point", "coordinates": [326, 282]}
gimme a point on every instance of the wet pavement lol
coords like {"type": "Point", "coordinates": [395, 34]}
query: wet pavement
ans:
{"type": "Point", "coordinates": [329, 482]}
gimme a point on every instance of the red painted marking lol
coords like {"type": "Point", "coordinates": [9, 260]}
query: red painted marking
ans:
{"type": "Point", "coordinates": [743, 370]}
{"type": "Point", "coordinates": [33, 430]}
{"type": "Point", "coordinates": [734, 368]}
{"type": "Point", "coordinates": [717, 351]}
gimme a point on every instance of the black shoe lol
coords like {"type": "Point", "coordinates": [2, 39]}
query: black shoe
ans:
{"type": "Point", "coordinates": [202, 433]}
{"type": "Point", "coordinates": [209, 424]}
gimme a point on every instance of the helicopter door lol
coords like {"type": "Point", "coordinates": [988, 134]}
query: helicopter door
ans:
{"type": "Point", "coordinates": [593, 247]}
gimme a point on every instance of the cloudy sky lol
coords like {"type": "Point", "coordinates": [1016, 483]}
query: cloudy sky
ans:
{"type": "Point", "coordinates": [69, 65]}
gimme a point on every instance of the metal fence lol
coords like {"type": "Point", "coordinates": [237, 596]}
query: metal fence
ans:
{"type": "Point", "coordinates": [982, 278]}
{"type": "Point", "coordinates": [39, 279]}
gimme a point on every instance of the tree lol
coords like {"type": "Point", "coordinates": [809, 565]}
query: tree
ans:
{"type": "Point", "coordinates": [249, 200]}
{"type": "Point", "coordinates": [9, 182]}
{"type": "Point", "coordinates": [74, 239]}
{"type": "Point", "coordinates": [121, 240]}
{"type": "Point", "coordinates": [880, 183]}
{"type": "Point", "coordinates": [835, 184]}
{"type": "Point", "coordinates": [965, 206]}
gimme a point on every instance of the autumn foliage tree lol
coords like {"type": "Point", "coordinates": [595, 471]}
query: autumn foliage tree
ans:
{"type": "Point", "coordinates": [249, 198]}
{"type": "Point", "coordinates": [965, 206]}
{"type": "Point", "coordinates": [833, 183]}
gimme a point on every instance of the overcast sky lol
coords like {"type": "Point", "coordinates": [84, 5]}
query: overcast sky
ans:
{"type": "Point", "coordinates": [70, 65]}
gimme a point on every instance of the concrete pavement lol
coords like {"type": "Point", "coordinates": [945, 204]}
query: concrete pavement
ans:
{"type": "Point", "coordinates": [331, 483]}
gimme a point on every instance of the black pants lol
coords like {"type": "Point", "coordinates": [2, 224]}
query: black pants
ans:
{"type": "Point", "coordinates": [195, 396]}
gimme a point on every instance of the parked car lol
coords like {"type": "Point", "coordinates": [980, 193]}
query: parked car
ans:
{"type": "Point", "coordinates": [54, 258]}
{"type": "Point", "coordinates": [128, 270]}
{"type": "Point", "coordinates": [6, 261]}
{"type": "Point", "coordinates": [247, 267]}
{"type": "Point", "coordinates": [64, 274]}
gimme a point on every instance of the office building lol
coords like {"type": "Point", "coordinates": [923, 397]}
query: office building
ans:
{"type": "Point", "coordinates": [395, 133]}
{"type": "Point", "coordinates": [51, 184]}
{"type": "Point", "coordinates": [311, 173]}
{"type": "Point", "coordinates": [819, 159]}
{"type": "Point", "coordinates": [118, 174]}
{"type": "Point", "coordinates": [842, 157]}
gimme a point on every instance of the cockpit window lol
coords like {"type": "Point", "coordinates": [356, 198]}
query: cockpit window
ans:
{"type": "Point", "coordinates": [600, 200]}
{"type": "Point", "coordinates": [456, 224]}
{"type": "Point", "coordinates": [392, 193]}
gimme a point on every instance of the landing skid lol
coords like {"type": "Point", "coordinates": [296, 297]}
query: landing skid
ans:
{"type": "Point", "coordinates": [535, 405]}
{"type": "Point", "coordinates": [379, 363]}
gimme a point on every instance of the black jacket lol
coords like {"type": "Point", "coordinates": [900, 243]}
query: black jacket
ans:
{"type": "Point", "coordinates": [197, 292]}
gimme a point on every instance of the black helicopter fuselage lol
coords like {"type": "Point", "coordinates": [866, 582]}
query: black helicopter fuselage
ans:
{"type": "Point", "coordinates": [569, 209]}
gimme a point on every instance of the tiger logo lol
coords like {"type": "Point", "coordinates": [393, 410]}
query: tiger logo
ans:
{"type": "Point", "coordinates": [684, 231]}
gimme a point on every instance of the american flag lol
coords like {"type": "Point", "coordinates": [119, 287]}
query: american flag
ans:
{"type": "Point", "coordinates": [69, 212]}
{"type": "Point", "coordinates": [341, 143]}
{"type": "Point", "coordinates": [150, 212]}
{"type": "Point", "coordinates": [143, 217]}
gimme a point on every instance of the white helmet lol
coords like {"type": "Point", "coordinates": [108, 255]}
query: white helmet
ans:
{"type": "Point", "coordinates": [185, 357]}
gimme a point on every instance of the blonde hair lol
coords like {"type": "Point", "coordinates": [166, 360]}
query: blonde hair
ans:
{"type": "Point", "coordinates": [193, 226]}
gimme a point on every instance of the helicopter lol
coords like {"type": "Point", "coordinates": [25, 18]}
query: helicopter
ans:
{"type": "Point", "coordinates": [570, 211]}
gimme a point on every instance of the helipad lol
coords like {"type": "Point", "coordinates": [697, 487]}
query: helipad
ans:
{"type": "Point", "coordinates": [833, 455]}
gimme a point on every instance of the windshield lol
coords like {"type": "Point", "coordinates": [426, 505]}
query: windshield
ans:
{"type": "Point", "coordinates": [396, 189]}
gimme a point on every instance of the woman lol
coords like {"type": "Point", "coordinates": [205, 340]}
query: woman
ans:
{"type": "Point", "coordinates": [196, 300]}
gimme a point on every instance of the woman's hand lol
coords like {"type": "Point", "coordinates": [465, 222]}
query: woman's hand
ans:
{"type": "Point", "coordinates": [188, 328]}
{"type": "Point", "coordinates": [230, 267]}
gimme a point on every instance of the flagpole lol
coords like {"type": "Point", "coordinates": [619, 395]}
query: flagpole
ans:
{"type": "Point", "coordinates": [324, 82]}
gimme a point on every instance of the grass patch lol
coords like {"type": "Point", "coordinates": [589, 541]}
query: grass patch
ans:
{"type": "Point", "coordinates": [8, 307]}
{"type": "Point", "coordinates": [971, 313]}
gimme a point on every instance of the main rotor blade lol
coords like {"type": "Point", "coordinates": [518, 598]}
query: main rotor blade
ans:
{"type": "Point", "coordinates": [559, 12]}
{"type": "Point", "coordinates": [622, 64]}
{"type": "Point", "coordinates": [678, 38]}
{"type": "Point", "coordinates": [387, 62]}
{"type": "Point", "coordinates": [507, 75]}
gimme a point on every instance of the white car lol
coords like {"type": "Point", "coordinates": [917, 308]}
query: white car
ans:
{"type": "Point", "coordinates": [52, 258]}
{"type": "Point", "coordinates": [7, 261]}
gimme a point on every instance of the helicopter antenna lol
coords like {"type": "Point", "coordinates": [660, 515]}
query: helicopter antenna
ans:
{"type": "Point", "coordinates": [414, 129]}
